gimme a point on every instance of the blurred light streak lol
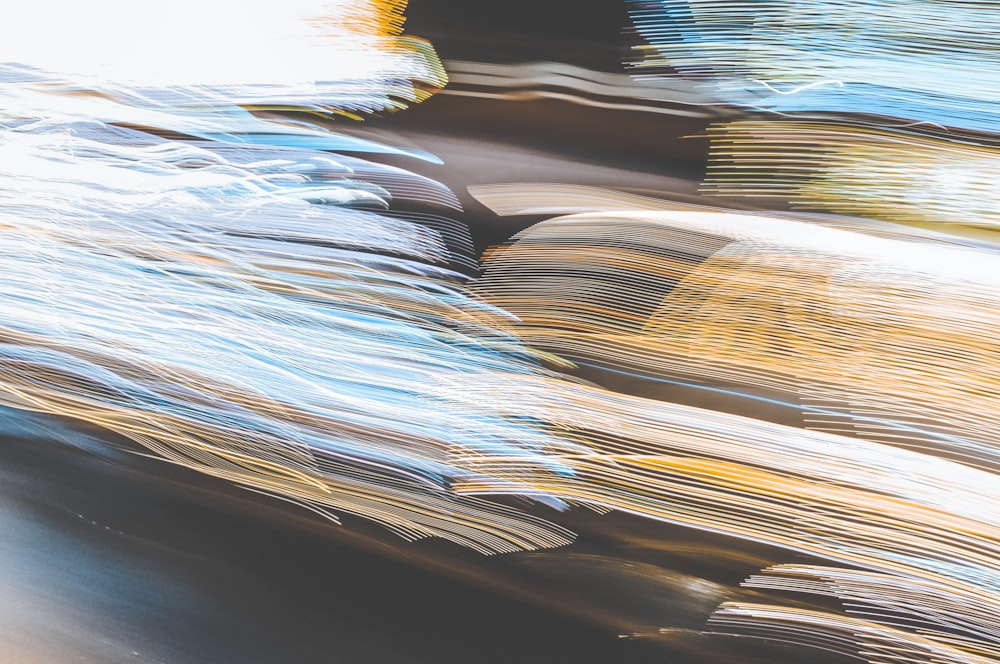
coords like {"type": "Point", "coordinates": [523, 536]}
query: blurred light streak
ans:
{"type": "Point", "coordinates": [892, 176]}
{"type": "Point", "coordinates": [912, 520]}
{"type": "Point", "coordinates": [578, 85]}
{"type": "Point", "coordinates": [198, 303]}
{"type": "Point", "coordinates": [207, 310]}
{"type": "Point", "coordinates": [865, 593]}
{"type": "Point", "coordinates": [247, 305]}
{"type": "Point", "coordinates": [866, 640]}
{"type": "Point", "coordinates": [929, 61]}
{"type": "Point", "coordinates": [543, 198]}
{"type": "Point", "coordinates": [882, 338]}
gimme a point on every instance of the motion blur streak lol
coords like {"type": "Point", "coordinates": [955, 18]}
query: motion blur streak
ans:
{"type": "Point", "coordinates": [925, 528]}
{"type": "Point", "coordinates": [207, 310]}
{"type": "Point", "coordinates": [258, 313]}
{"type": "Point", "coordinates": [865, 639]}
{"type": "Point", "coordinates": [925, 60]}
{"type": "Point", "coordinates": [517, 198]}
{"type": "Point", "coordinates": [892, 176]}
{"type": "Point", "coordinates": [244, 302]}
{"type": "Point", "coordinates": [883, 338]}
{"type": "Point", "coordinates": [538, 198]}
{"type": "Point", "coordinates": [881, 109]}
{"type": "Point", "coordinates": [864, 592]}
{"type": "Point", "coordinates": [577, 85]}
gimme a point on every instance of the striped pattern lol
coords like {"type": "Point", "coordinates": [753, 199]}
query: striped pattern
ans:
{"type": "Point", "coordinates": [892, 176]}
{"type": "Point", "coordinates": [923, 60]}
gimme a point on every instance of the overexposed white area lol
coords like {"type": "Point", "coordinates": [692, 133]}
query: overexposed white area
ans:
{"type": "Point", "coordinates": [196, 42]}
